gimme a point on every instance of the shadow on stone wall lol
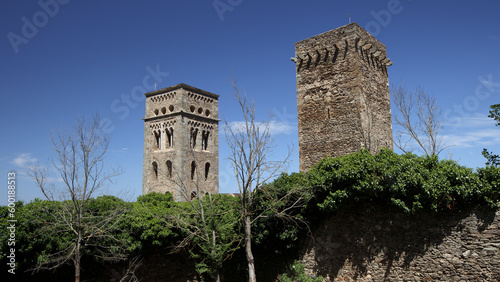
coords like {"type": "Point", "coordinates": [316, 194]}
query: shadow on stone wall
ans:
{"type": "Point", "coordinates": [374, 243]}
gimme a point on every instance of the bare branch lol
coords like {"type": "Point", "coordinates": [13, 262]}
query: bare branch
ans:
{"type": "Point", "coordinates": [420, 120]}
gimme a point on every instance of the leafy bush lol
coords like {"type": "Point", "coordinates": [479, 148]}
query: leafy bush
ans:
{"type": "Point", "coordinates": [407, 181]}
{"type": "Point", "coordinates": [146, 221]}
{"type": "Point", "coordinates": [296, 273]}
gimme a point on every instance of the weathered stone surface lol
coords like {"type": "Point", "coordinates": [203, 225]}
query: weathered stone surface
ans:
{"type": "Point", "coordinates": [342, 94]}
{"type": "Point", "coordinates": [381, 246]}
{"type": "Point", "coordinates": [181, 142]}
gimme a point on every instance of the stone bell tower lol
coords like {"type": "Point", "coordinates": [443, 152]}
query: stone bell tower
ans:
{"type": "Point", "coordinates": [181, 142]}
{"type": "Point", "coordinates": [343, 98]}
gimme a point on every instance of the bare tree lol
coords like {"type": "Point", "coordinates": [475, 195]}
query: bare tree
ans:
{"type": "Point", "coordinates": [420, 120]}
{"type": "Point", "coordinates": [251, 144]}
{"type": "Point", "coordinates": [80, 164]}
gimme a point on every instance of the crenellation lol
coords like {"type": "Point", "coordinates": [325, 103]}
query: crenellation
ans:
{"type": "Point", "coordinates": [320, 55]}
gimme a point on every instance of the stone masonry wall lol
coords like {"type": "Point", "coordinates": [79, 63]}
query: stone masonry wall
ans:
{"type": "Point", "coordinates": [366, 245]}
{"type": "Point", "coordinates": [343, 99]}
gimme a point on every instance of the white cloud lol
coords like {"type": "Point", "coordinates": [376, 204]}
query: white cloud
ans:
{"type": "Point", "coordinates": [474, 121]}
{"type": "Point", "coordinates": [54, 179]}
{"type": "Point", "coordinates": [275, 127]}
{"type": "Point", "coordinates": [471, 138]}
{"type": "Point", "coordinates": [475, 130]}
{"type": "Point", "coordinates": [23, 160]}
{"type": "Point", "coordinates": [119, 151]}
{"type": "Point", "coordinates": [278, 127]}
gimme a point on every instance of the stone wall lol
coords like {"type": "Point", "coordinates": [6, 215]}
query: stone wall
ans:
{"type": "Point", "coordinates": [381, 245]}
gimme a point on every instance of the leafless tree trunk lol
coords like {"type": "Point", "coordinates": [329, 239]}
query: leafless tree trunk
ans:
{"type": "Point", "coordinates": [419, 119]}
{"type": "Point", "coordinates": [80, 164]}
{"type": "Point", "coordinates": [251, 144]}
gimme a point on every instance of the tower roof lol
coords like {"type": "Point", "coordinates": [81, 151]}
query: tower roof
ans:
{"type": "Point", "coordinates": [347, 31]}
{"type": "Point", "coordinates": [181, 86]}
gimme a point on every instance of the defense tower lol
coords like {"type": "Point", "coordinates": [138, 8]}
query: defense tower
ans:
{"type": "Point", "coordinates": [343, 98]}
{"type": "Point", "coordinates": [181, 142]}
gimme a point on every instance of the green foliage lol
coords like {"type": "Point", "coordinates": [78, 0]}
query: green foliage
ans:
{"type": "Point", "coordinates": [33, 239]}
{"type": "Point", "coordinates": [490, 177]}
{"type": "Point", "coordinates": [39, 236]}
{"type": "Point", "coordinates": [495, 113]}
{"type": "Point", "coordinates": [211, 224]}
{"type": "Point", "coordinates": [146, 221]}
{"type": "Point", "coordinates": [107, 215]}
{"type": "Point", "coordinates": [296, 273]}
{"type": "Point", "coordinates": [492, 159]}
{"type": "Point", "coordinates": [408, 182]}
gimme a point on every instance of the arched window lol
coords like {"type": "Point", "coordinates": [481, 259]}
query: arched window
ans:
{"type": "Point", "coordinates": [207, 169]}
{"type": "Point", "coordinates": [204, 139]}
{"type": "Point", "coordinates": [158, 139]}
{"type": "Point", "coordinates": [169, 169]}
{"type": "Point", "coordinates": [155, 170]}
{"type": "Point", "coordinates": [170, 137]}
{"type": "Point", "coordinates": [194, 133]}
{"type": "Point", "coordinates": [193, 170]}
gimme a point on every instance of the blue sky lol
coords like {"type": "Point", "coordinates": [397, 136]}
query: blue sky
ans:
{"type": "Point", "coordinates": [65, 59]}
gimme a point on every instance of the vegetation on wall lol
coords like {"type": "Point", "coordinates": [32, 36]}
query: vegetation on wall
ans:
{"type": "Point", "coordinates": [407, 182]}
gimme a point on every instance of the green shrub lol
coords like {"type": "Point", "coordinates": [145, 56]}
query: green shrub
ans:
{"type": "Point", "coordinates": [296, 273]}
{"type": "Point", "coordinates": [407, 181]}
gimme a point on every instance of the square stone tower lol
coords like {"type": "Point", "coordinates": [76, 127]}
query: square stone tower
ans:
{"type": "Point", "coordinates": [343, 98]}
{"type": "Point", "coordinates": [181, 142]}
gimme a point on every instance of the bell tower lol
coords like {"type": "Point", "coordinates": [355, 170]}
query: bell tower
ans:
{"type": "Point", "coordinates": [181, 142]}
{"type": "Point", "coordinates": [343, 98]}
